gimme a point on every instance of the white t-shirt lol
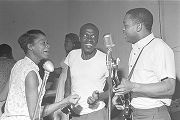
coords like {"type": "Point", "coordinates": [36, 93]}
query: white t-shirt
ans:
{"type": "Point", "coordinates": [87, 76]}
{"type": "Point", "coordinates": [155, 63]}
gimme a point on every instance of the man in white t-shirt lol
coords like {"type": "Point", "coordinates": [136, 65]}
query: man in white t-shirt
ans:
{"type": "Point", "coordinates": [87, 74]}
{"type": "Point", "coordinates": [153, 80]}
{"type": "Point", "coordinates": [71, 42]}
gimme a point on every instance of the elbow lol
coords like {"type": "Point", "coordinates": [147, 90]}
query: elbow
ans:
{"type": "Point", "coordinates": [171, 87]}
{"type": "Point", "coordinates": [171, 91]}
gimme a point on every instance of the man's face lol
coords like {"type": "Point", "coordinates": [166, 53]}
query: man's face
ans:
{"type": "Point", "coordinates": [130, 29]}
{"type": "Point", "coordinates": [89, 40]}
{"type": "Point", "coordinates": [68, 44]}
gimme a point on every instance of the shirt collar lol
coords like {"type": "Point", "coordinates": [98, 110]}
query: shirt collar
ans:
{"type": "Point", "coordinates": [141, 43]}
{"type": "Point", "coordinates": [31, 62]}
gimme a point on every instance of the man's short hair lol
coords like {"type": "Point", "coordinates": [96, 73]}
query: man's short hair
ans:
{"type": "Point", "coordinates": [142, 15]}
{"type": "Point", "coordinates": [6, 51]}
{"type": "Point", "coordinates": [89, 25]}
{"type": "Point", "coordinates": [28, 38]}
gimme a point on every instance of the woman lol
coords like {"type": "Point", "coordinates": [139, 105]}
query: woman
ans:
{"type": "Point", "coordinates": [25, 81]}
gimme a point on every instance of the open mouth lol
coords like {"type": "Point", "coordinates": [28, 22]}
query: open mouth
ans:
{"type": "Point", "coordinates": [46, 52]}
{"type": "Point", "coordinates": [88, 45]}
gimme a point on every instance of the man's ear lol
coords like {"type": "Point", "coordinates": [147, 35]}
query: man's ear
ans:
{"type": "Point", "coordinates": [139, 27]}
{"type": "Point", "coordinates": [30, 46]}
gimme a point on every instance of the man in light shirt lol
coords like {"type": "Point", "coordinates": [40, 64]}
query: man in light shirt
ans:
{"type": "Point", "coordinates": [71, 42]}
{"type": "Point", "coordinates": [86, 76]}
{"type": "Point", "coordinates": [153, 80]}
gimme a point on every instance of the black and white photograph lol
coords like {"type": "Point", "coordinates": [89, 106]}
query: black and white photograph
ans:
{"type": "Point", "coordinates": [89, 59]}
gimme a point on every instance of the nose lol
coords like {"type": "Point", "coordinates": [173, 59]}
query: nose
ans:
{"type": "Point", "coordinates": [47, 45]}
{"type": "Point", "coordinates": [90, 39]}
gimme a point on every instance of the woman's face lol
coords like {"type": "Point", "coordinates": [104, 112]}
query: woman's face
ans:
{"type": "Point", "coordinates": [40, 47]}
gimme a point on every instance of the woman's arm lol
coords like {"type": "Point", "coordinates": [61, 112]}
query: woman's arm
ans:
{"type": "Point", "coordinates": [31, 91]}
{"type": "Point", "coordinates": [72, 99]}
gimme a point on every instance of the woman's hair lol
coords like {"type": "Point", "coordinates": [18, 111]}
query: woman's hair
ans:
{"type": "Point", "coordinates": [28, 38]}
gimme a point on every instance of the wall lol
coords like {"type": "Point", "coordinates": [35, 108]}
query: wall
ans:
{"type": "Point", "coordinates": [16, 17]}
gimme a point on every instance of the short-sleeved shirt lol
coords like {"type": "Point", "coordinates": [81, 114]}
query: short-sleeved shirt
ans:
{"type": "Point", "coordinates": [16, 104]}
{"type": "Point", "coordinates": [87, 76]}
{"type": "Point", "coordinates": [5, 70]}
{"type": "Point", "coordinates": [155, 63]}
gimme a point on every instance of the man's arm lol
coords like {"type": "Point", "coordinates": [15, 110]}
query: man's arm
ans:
{"type": "Point", "coordinates": [96, 96]}
{"type": "Point", "coordinates": [162, 89]}
{"type": "Point", "coordinates": [67, 87]}
{"type": "Point", "coordinates": [164, 69]}
{"type": "Point", "coordinates": [104, 95]}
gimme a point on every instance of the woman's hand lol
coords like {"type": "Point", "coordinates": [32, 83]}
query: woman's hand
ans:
{"type": "Point", "coordinates": [73, 99]}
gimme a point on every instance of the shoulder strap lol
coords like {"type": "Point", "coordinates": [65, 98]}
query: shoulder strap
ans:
{"type": "Point", "coordinates": [131, 72]}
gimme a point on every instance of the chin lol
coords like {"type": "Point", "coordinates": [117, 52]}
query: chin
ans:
{"type": "Point", "coordinates": [130, 41]}
{"type": "Point", "coordinates": [88, 51]}
{"type": "Point", "coordinates": [45, 56]}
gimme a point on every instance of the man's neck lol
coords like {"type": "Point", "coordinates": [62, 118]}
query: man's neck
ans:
{"type": "Point", "coordinates": [87, 56]}
{"type": "Point", "coordinates": [143, 35]}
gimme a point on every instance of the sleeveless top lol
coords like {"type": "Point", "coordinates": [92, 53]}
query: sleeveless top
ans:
{"type": "Point", "coordinates": [16, 104]}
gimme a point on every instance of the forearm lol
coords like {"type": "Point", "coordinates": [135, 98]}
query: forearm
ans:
{"type": "Point", "coordinates": [67, 90]}
{"type": "Point", "coordinates": [104, 95]}
{"type": "Point", "coordinates": [160, 89]}
{"type": "Point", "coordinates": [46, 110]}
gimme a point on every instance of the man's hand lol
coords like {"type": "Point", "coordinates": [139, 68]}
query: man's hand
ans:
{"type": "Point", "coordinates": [125, 87]}
{"type": "Point", "coordinates": [94, 98]}
{"type": "Point", "coordinates": [117, 103]}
